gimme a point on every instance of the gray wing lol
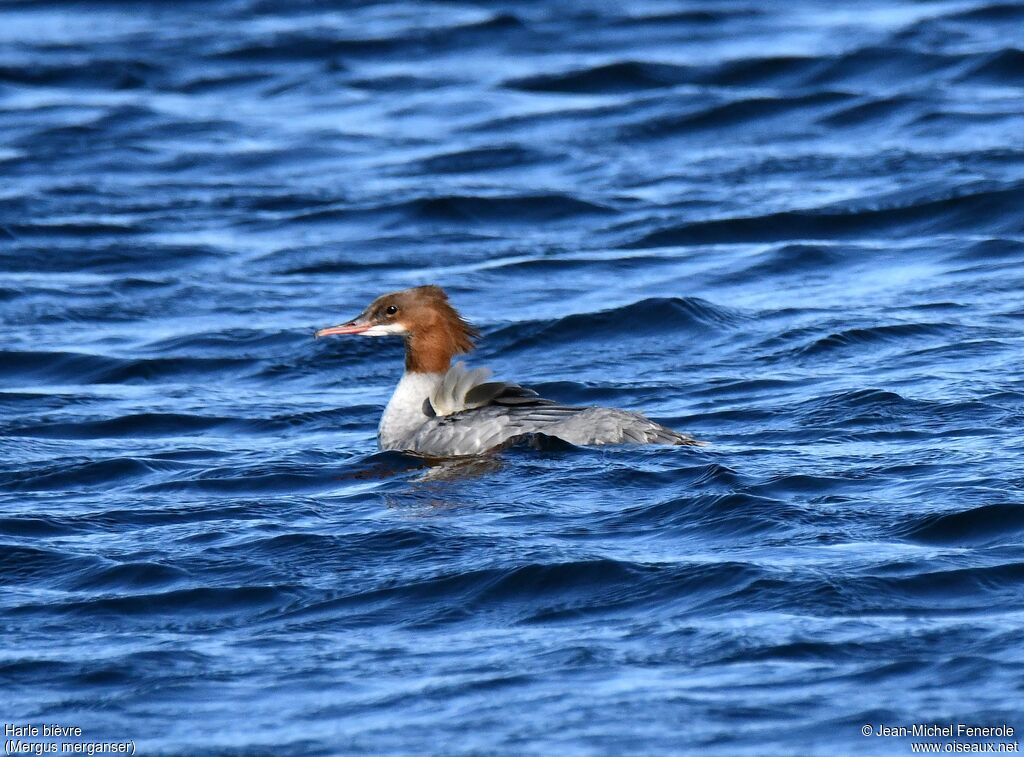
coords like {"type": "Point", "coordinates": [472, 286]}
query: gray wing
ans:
{"type": "Point", "coordinates": [514, 412]}
{"type": "Point", "coordinates": [469, 415]}
{"type": "Point", "coordinates": [463, 389]}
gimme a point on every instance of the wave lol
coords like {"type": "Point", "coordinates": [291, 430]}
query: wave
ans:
{"type": "Point", "coordinates": [237, 342]}
{"type": "Point", "coordinates": [724, 516]}
{"type": "Point", "coordinates": [988, 12]}
{"type": "Point", "coordinates": [187, 605]}
{"type": "Point", "coordinates": [985, 209]}
{"type": "Point", "coordinates": [75, 475]}
{"type": "Point", "coordinates": [700, 17]}
{"type": "Point", "coordinates": [320, 45]}
{"type": "Point", "coordinates": [34, 527]}
{"type": "Point", "coordinates": [213, 82]}
{"type": "Point", "coordinates": [621, 76]}
{"type": "Point", "coordinates": [80, 368]}
{"type": "Point", "coordinates": [21, 564]}
{"type": "Point", "coordinates": [881, 65]}
{"type": "Point", "coordinates": [872, 64]}
{"type": "Point", "coordinates": [986, 525]}
{"type": "Point", "coordinates": [895, 333]}
{"type": "Point", "coordinates": [750, 112]}
{"type": "Point", "coordinates": [135, 425]}
{"type": "Point", "coordinates": [530, 593]}
{"type": "Point", "coordinates": [128, 576]}
{"type": "Point", "coordinates": [792, 260]}
{"type": "Point", "coordinates": [103, 257]}
{"type": "Point", "coordinates": [118, 74]}
{"type": "Point", "coordinates": [656, 315]}
{"type": "Point", "coordinates": [72, 229]}
{"type": "Point", "coordinates": [873, 111]}
{"type": "Point", "coordinates": [860, 405]}
{"type": "Point", "coordinates": [881, 410]}
{"type": "Point", "coordinates": [1002, 67]}
{"type": "Point", "coordinates": [481, 159]}
{"type": "Point", "coordinates": [823, 207]}
{"type": "Point", "coordinates": [988, 250]}
{"type": "Point", "coordinates": [522, 209]}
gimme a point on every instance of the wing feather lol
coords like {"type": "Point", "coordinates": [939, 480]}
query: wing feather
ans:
{"type": "Point", "coordinates": [483, 394]}
{"type": "Point", "coordinates": [469, 415]}
{"type": "Point", "coordinates": [462, 389]}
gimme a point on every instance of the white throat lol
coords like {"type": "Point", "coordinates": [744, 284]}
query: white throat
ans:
{"type": "Point", "coordinates": [404, 413]}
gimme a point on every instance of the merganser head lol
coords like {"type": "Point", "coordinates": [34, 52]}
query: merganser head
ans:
{"type": "Point", "coordinates": [434, 331]}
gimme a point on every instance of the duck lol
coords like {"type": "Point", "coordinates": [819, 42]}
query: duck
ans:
{"type": "Point", "coordinates": [441, 410]}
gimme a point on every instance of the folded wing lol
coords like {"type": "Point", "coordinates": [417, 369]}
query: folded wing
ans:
{"type": "Point", "coordinates": [470, 415]}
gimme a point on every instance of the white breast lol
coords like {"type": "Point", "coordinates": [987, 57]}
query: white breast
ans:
{"type": "Point", "coordinates": [404, 414]}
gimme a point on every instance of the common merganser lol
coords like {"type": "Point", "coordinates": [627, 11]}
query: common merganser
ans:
{"type": "Point", "coordinates": [441, 410]}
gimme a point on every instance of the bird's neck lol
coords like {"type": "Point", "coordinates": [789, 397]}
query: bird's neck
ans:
{"type": "Point", "coordinates": [429, 351]}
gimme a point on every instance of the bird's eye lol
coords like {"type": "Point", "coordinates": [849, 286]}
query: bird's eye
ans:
{"type": "Point", "coordinates": [392, 309]}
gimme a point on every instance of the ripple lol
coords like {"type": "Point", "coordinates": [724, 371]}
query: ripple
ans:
{"type": "Point", "coordinates": [481, 159]}
{"type": "Point", "coordinates": [196, 603]}
{"type": "Point", "coordinates": [989, 524]}
{"type": "Point", "coordinates": [650, 316]}
{"type": "Point", "coordinates": [992, 208]}
{"type": "Point", "coordinates": [531, 593]}
{"type": "Point", "coordinates": [621, 76]}
{"type": "Point", "coordinates": [1003, 67]}
{"type": "Point", "coordinates": [102, 258]}
{"type": "Point", "coordinates": [78, 368]}
{"type": "Point", "coordinates": [127, 73]}
{"type": "Point", "coordinates": [794, 232]}
{"type": "Point", "coordinates": [76, 475]}
{"type": "Point", "coordinates": [898, 333]}
{"type": "Point", "coordinates": [752, 112]}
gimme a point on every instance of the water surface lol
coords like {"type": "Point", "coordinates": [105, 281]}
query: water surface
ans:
{"type": "Point", "coordinates": [793, 230]}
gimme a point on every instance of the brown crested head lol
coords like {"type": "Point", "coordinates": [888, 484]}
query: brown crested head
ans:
{"type": "Point", "coordinates": [434, 331]}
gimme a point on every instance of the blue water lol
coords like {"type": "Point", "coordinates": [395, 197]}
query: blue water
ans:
{"type": "Point", "coordinates": [794, 230]}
